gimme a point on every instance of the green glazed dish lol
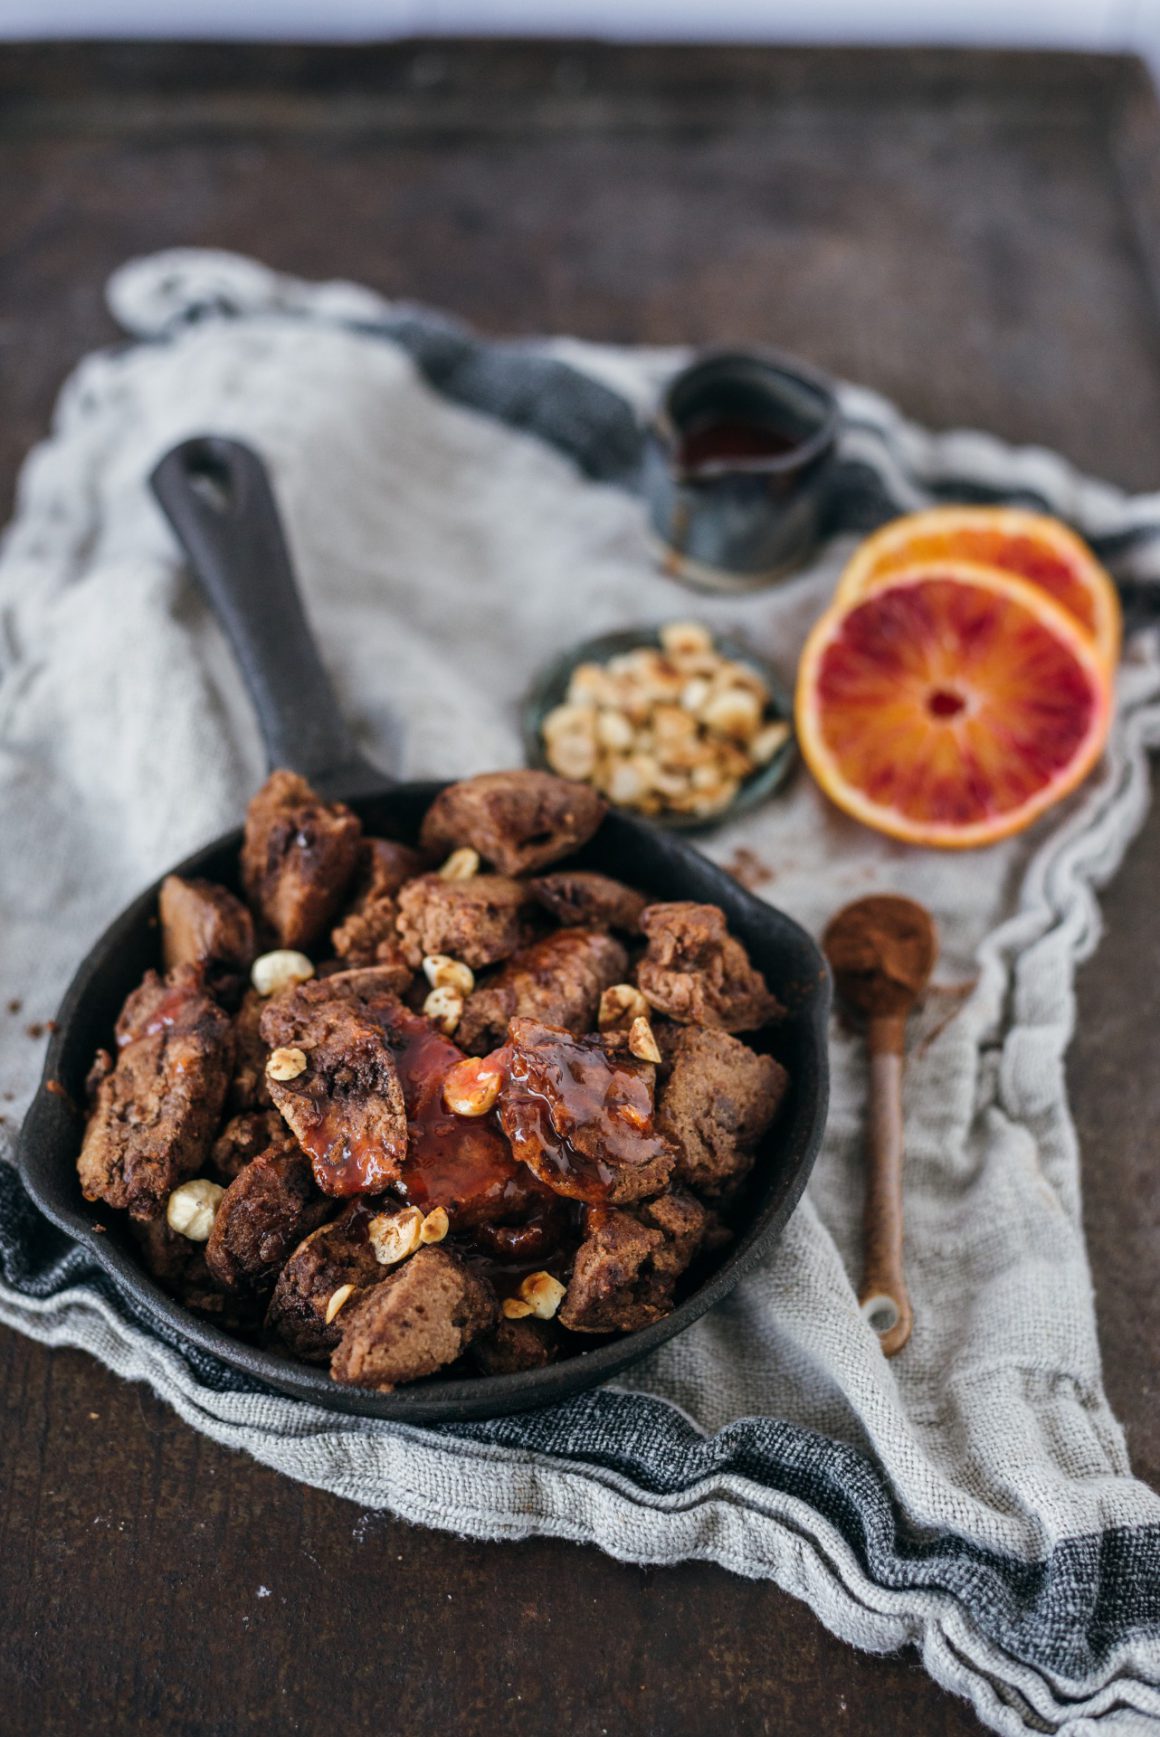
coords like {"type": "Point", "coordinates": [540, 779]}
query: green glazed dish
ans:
{"type": "Point", "coordinates": [550, 690]}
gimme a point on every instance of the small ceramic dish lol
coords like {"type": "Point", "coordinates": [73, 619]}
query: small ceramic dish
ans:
{"type": "Point", "coordinates": [550, 690]}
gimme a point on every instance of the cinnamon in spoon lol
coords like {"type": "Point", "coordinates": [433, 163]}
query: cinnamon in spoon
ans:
{"type": "Point", "coordinates": [881, 951]}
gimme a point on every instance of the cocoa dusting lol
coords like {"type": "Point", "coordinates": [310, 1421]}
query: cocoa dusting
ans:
{"type": "Point", "coordinates": [35, 1030]}
{"type": "Point", "coordinates": [880, 950]}
{"type": "Point", "coordinates": [15, 1004]}
{"type": "Point", "coordinates": [957, 993]}
{"type": "Point", "coordinates": [747, 867]}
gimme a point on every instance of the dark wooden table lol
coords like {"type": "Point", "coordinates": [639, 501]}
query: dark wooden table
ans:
{"type": "Point", "coordinates": [975, 235]}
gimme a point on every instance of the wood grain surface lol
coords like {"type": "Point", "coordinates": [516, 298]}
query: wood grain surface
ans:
{"type": "Point", "coordinates": [973, 234]}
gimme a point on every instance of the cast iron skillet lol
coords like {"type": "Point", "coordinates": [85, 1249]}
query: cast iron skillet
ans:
{"type": "Point", "coordinates": [217, 497]}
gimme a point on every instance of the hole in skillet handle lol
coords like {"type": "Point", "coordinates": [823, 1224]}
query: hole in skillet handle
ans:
{"type": "Point", "coordinates": [212, 481]}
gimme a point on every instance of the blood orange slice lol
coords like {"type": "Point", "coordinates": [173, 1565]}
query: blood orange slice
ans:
{"type": "Point", "coordinates": [950, 706]}
{"type": "Point", "coordinates": [1031, 545]}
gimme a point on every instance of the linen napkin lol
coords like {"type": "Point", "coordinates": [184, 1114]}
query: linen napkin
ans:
{"type": "Point", "coordinates": [458, 512]}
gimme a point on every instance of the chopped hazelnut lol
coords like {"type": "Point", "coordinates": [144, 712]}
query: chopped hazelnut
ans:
{"type": "Point", "coordinates": [543, 1294]}
{"type": "Point", "coordinates": [686, 638]}
{"type": "Point", "coordinates": [445, 1007]}
{"type": "Point", "coordinates": [670, 784]}
{"type": "Point", "coordinates": [733, 760]}
{"type": "Point", "coordinates": [461, 865]}
{"type": "Point", "coordinates": [516, 1309]}
{"type": "Point", "coordinates": [435, 1226]}
{"type": "Point", "coordinates": [739, 675]}
{"type": "Point", "coordinates": [591, 684]}
{"type": "Point", "coordinates": [281, 969]}
{"type": "Point", "coordinates": [569, 720]}
{"type": "Point", "coordinates": [641, 1041]}
{"type": "Point", "coordinates": [472, 1086]}
{"type": "Point", "coordinates": [620, 1004]}
{"type": "Point", "coordinates": [343, 1295]}
{"type": "Point", "coordinates": [646, 769]}
{"type": "Point", "coordinates": [625, 784]}
{"type": "Point", "coordinates": [286, 1064]}
{"type": "Point", "coordinates": [395, 1235]}
{"type": "Point", "coordinates": [767, 742]}
{"type": "Point", "coordinates": [717, 797]}
{"type": "Point", "coordinates": [695, 693]}
{"type": "Point", "coordinates": [673, 724]}
{"type": "Point", "coordinates": [443, 972]}
{"type": "Point", "coordinates": [192, 1208]}
{"type": "Point", "coordinates": [570, 740]}
{"type": "Point", "coordinates": [734, 712]}
{"type": "Point", "coordinates": [640, 726]}
{"type": "Point", "coordinates": [709, 800]}
{"type": "Point", "coordinates": [572, 757]}
{"type": "Point", "coordinates": [653, 673]}
{"type": "Point", "coordinates": [613, 730]}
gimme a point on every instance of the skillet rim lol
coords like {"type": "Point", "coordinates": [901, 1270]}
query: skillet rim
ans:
{"type": "Point", "coordinates": [53, 1118]}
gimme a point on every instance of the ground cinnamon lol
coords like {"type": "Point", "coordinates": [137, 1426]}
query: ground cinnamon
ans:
{"type": "Point", "coordinates": [879, 950]}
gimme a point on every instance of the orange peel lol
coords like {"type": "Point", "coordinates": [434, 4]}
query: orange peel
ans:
{"type": "Point", "coordinates": [1030, 545]}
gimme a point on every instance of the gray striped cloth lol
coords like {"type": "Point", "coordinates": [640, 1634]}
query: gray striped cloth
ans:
{"type": "Point", "coordinates": [973, 1497]}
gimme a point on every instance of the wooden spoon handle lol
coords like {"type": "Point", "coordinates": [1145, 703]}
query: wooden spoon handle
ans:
{"type": "Point", "coordinates": [883, 1297]}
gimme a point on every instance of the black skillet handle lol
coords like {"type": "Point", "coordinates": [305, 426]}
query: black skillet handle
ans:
{"type": "Point", "coordinates": [217, 496]}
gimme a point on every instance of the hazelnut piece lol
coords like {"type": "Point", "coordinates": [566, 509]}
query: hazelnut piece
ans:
{"type": "Point", "coordinates": [472, 1087]}
{"type": "Point", "coordinates": [337, 1299]}
{"type": "Point", "coordinates": [281, 969]}
{"type": "Point", "coordinates": [286, 1064]}
{"type": "Point", "coordinates": [543, 1294]}
{"type": "Point", "coordinates": [192, 1208]}
{"type": "Point", "coordinates": [461, 865]}
{"type": "Point", "coordinates": [395, 1235]}
{"type": "Point", "coordinates": [435, 1226]}
{"type": "Point", "coordinates": [621, 1003]}
{"type": "Point", "coordinates": [641, 1041]}
{"type": "Point", "coordinates": [444, 1007]}
{"type": "Point", "coordinates": [443, 972]}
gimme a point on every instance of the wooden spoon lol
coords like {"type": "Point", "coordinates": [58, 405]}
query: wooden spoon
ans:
{"type": "Point", "coordinates": [882, 951]}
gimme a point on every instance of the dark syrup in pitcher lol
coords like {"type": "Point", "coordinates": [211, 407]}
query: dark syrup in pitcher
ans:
{"type": "Point", "coordinates": [720, 441]}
